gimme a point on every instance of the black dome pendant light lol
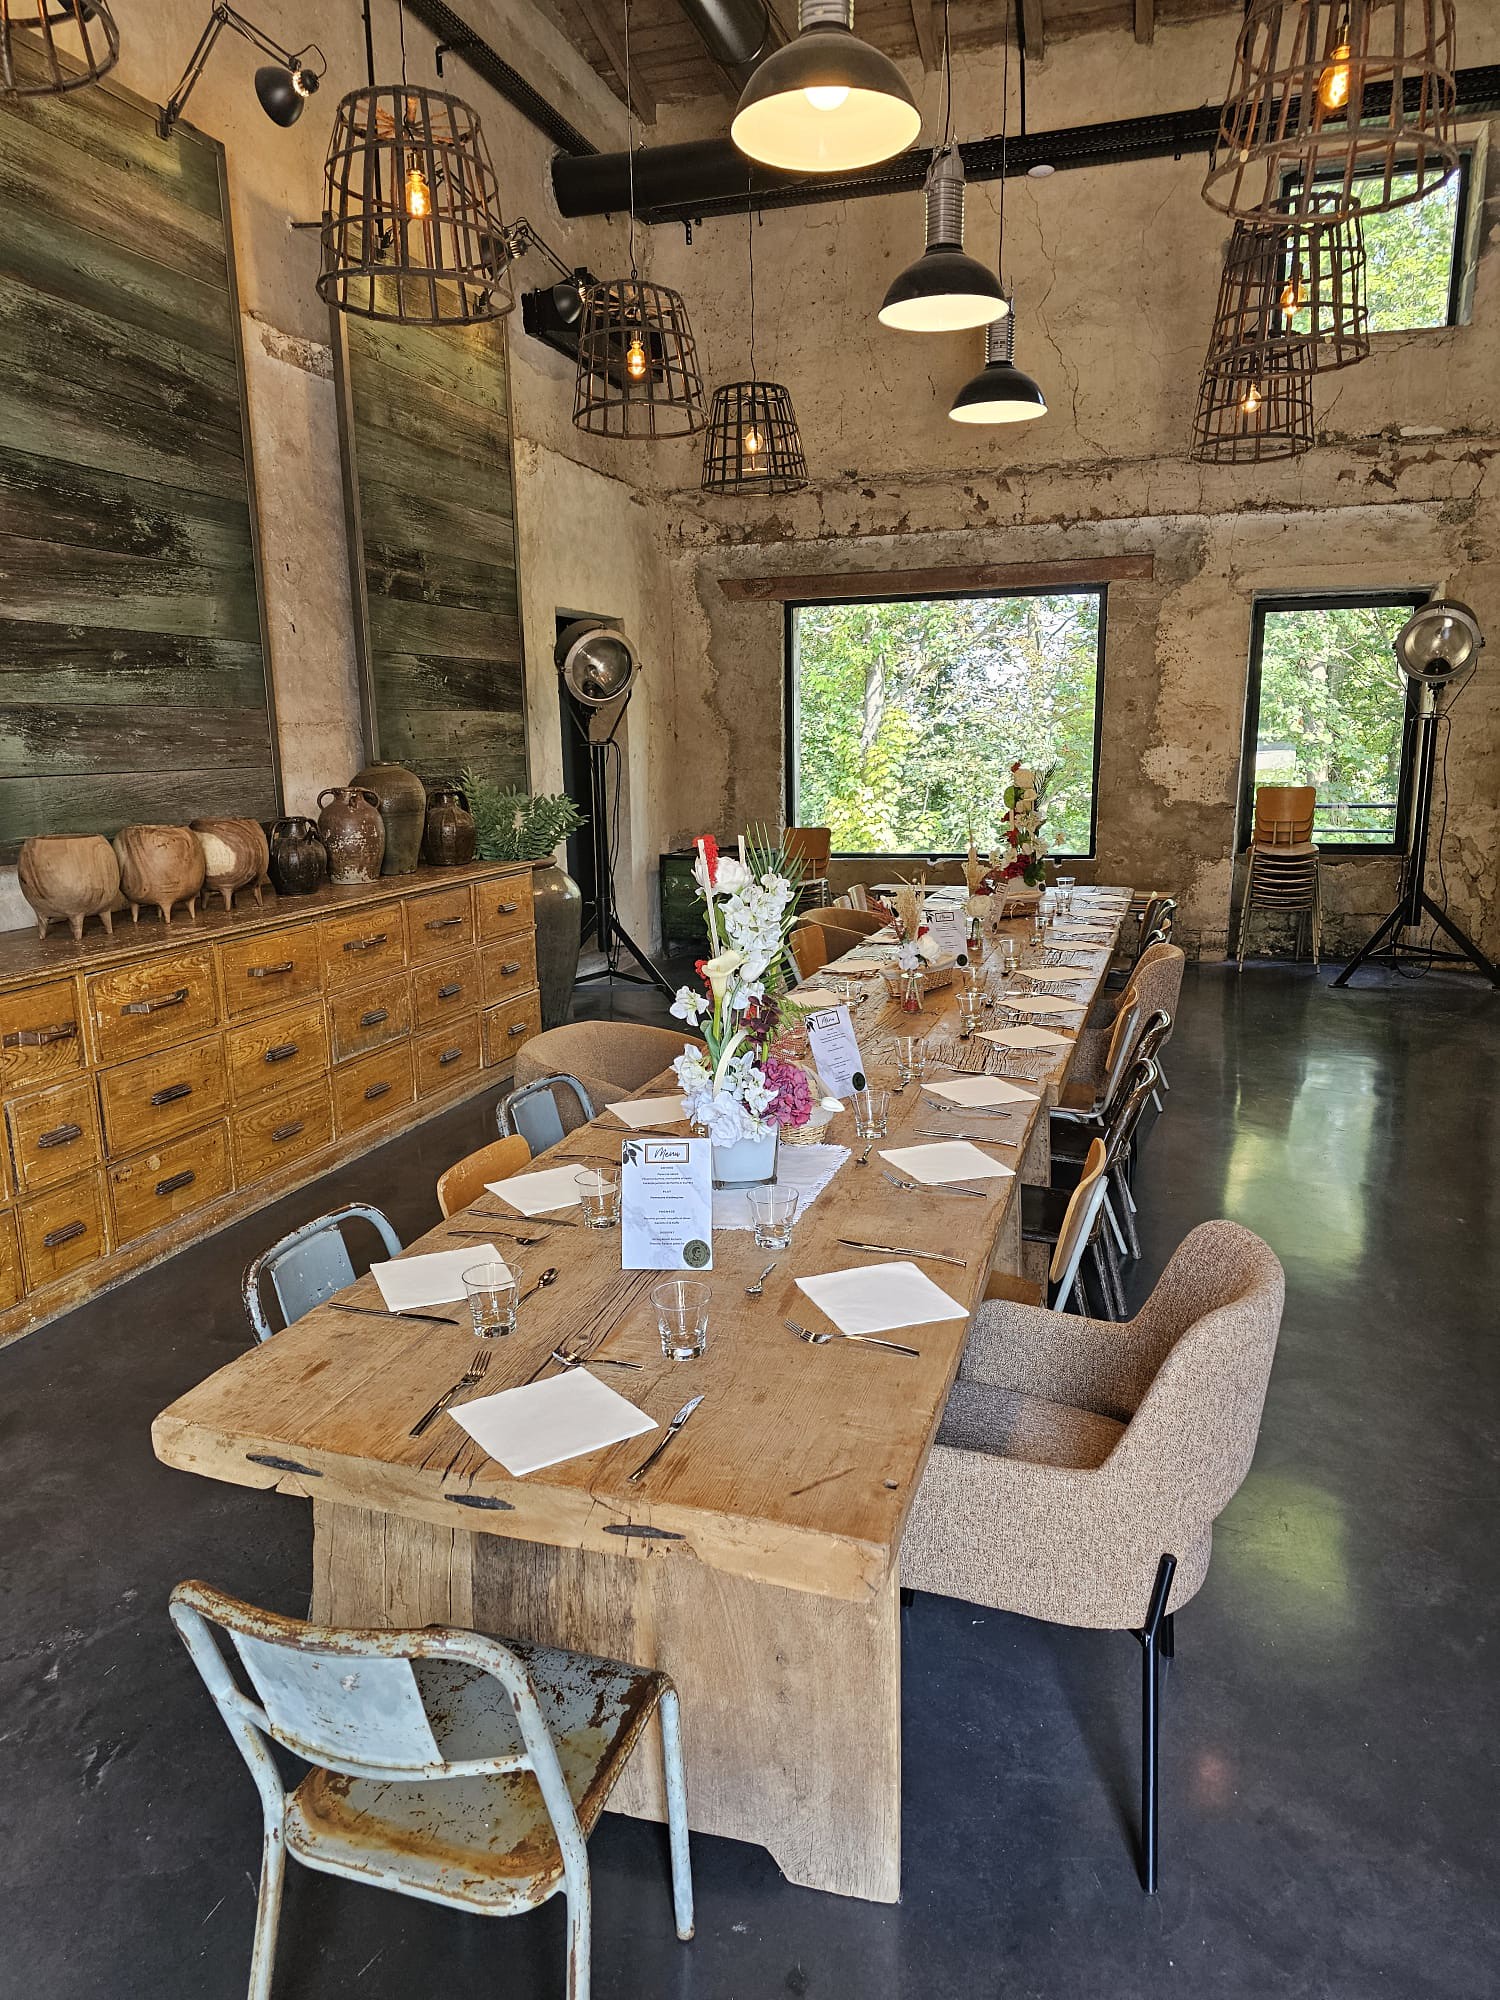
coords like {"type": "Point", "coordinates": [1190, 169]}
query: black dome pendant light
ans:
{"type": "Point", "coordinates": [944, 290]}
{"type": "Point", "coordinates": [826, 103]}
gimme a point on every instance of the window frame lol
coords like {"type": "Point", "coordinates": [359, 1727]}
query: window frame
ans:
{"type": "Point", "coordinates": [1326, 600]}
{"type": "Point", "coordinates": [789, 703]}
{"type": "Point", "coordinates": [1458, 261]}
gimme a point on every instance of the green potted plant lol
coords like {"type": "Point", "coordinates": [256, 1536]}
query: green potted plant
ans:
{"type": "Point", "coordinates": [512, 825]}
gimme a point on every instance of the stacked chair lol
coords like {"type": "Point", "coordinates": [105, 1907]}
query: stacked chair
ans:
{"type": "Point", "coordinates": [811, 845]}
{"type": "Point", "coordinates": [1283, 876]}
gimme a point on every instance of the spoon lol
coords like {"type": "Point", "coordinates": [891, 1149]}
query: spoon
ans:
{"type": "Point", "coordinates": [548, 1277]}
{"type": "Point", "coordinates": [863, 1159]}
{"type": "Point", "coordinates": [754, 1291]}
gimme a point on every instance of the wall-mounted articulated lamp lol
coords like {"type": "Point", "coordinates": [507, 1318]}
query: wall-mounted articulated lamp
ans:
{"type": "Point", "coordinates": [283, 86]}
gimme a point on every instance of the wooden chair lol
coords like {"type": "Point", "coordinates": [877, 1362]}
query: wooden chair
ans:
{"type": "Point", "coordinates": [443, 1765]}
{"type": "Point", "coordinates": [1284, 815]}
{"type": "Point", "coordinates": [1284, 876]}
{"type": "Point", "coordinates": [1078, 1231]}
{"type": "Point", "coordinates": [610, 1059]}
{"type": "Point", "coordinates": [463, 1183]}
{"type": "Point", "coordinates": [309, 1265]}
{"type": "Point", "coordinates": [811, 845]}
{"type": "Point", "coordinates": [843, 916]}
{"type": "Point", "coordinates": [857, 896]}
{"type": "Point", "coordinates": [809, 949]}
{"type": "Point", "coordinates": [1044, 1210]}
{"type": "Point", "coordinates": [1080, 1464]}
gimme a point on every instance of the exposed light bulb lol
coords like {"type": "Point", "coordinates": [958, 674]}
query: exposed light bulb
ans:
{"type": "Point", "coordinates": [635, 358]}
{"type": "Point", "coordinates": [753, 442]}
{"type": "Point", "coordinates": [1333, 84]}
{"type": "Point", "coordinates": [418, 195]}
{"type": "Point", "coordinates": [304, 81]}
{"type": "Point", "coordinates": [826, 96]}
{"type": "Point", "coordinates": [1252, 400]}
{"type": "Point", "coordinates": [1291, 298]}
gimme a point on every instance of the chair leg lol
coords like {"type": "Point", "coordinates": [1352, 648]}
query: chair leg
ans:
{"type": "Point", "coordinates": [677, 1822]}
{"type": "Point", "coordinates": [1150, 1637]}
{"type": "Point", "coordinates": [1127, 1212]}
{"type": "Point", "coordinates": [580, 1942]}
{"type": "Point", "coordinates": [1114, 1225]}
{"type": "Point", "coordinates": [1099, 1256]}
{"type": "Point", "coordinates": [267, 1913]}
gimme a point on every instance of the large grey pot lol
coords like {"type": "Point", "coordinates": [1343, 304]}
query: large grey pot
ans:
{"type": "Point", "coordinates": [558, 903]}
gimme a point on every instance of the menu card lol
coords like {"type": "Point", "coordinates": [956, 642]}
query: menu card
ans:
{"type": "Point", "coordinates": [830, 1037]}
{"type": "Point", "coordinates": [666, 1205]}
{"type": "Point", "coordinates": [949, 929]}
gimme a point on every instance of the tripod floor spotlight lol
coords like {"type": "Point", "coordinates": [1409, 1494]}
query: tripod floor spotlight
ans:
{"type": "Point", "coordinates": [1435, 649]}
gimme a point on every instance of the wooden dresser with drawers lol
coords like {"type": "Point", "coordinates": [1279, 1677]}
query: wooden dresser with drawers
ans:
{"type": "Point", "coordinates": [165, 1081]}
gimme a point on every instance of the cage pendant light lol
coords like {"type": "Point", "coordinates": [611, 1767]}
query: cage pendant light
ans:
{"type": "Point", "coordinates": [826, 103]}
{"type": "Point", "coordinates": [753, 444]}
{"type": "Point", "coordinates": [51, 46]}
{"type": "Point", "coordinates": [1355, 96]}
{"type": "Point", "coordinates": [1255, 396]}
{"type": "Point", "coordinates": [1323, 283]}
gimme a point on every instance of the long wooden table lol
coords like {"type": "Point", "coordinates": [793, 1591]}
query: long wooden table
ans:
{"type": "Point", "coordinates": [757, 1562]}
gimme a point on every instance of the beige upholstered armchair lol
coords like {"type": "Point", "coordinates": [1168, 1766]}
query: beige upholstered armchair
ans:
{"type": "Point", "coordinates": [1080, 1464]}
{"type": "Point", "coordinates": [611, 1059]}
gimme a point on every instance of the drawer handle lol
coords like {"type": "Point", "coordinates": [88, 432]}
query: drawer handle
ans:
{"type": "Point", "coordinates": [283, 1052]}
{"type": "Point", "coordinates": [154, 1006]}
{"type": "Point", "coordinates": [506, 909]}
{"type": "Point", "coordinates": [272, 971]}
{"type": "Point", "coordinates": [451, 992]}
{"type": "Point", "coordinates": [374, 1017]}
{"type": "Point", "coordinates": [443, 923]}
{"type": "Point", "coordinates": [38, 1038]}
{"type": "Point", "coordinates": [367, 944]}
{"type": "Point", "coordinates": [60, 1135]}
{"type": "Point", "coordinates": [171, 1094]}
{"type": "Point", "coordinates": [510, 968]}
{"type": "Point", "coordinates": [66, 1234]}
{"type": "Point", "coordinates": [376, 1090]}
{"type": "Point", "coordinates": [286, 1131]}
{"type": "Point", "coordinates": [175, 1181]}
{"type": "Point", "coordinates": [517, 1028]}
{"type": "Point", "coordinates": [448, 1056]}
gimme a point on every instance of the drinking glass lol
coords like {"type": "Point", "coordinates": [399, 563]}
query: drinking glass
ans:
{"type": "Point", "coordinates": [494, 1291]}
{"type": "Point", "coordinates": [1007, 956]}
{"type": "Point", "coordinates": [599, 1198]}
{"type": "Point", "coordinates": [911, 1057]}
{"type": "Point", "coordinates": [968, 1011]}
{"type": "Point", "coordinates": [872, 1110]}
{"type": "Point", "coordinates": [1065, 887]}
{"type": "Point", "coordinates": [682, 1317]}
{"type": "Point", "coordinates": [773, 1210]}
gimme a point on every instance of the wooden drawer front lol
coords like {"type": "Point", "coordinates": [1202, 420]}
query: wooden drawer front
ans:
{"type": "Point", "coordinates": [147, 1192]}
{"type": "Point", "coordinates": [276, 1054]}
{"type": "Point", "coordinates": [41, 1034]}
{"type": "Point", "coordinates": [62, 1230]}
{"type": "Point", "coordinates": [274, 1134]}
{"type": "Point", "coordinates": [269, 970]}
{"type": "Point", "coordinates": [148, 1100]}
{"type": "Point", "coordinates": [438, 992]}
{"type": "Point", "coordinates": [11, 1285]}
{"type": "Point", "coordinates": [504, 907]}
{"type": "Point", "coordinates": [366, 1091]}
{"type": "Point", "coordinates": [442, 1058]}
{"type": "Point", "coordinates": [507, 1027]}
{"type": "Point", "coordinates": [370, 1018]}
{"type": "Point", "coordinates": [359, 946]}
{"type": "Point", "coordinates": [439, 923]}
{"type": "Point", "coordinates": [509, 968]}
{"type": "Point", "coordinates": [54, 1135]}
{"type": "Point", "coordinates": [153, 1005]}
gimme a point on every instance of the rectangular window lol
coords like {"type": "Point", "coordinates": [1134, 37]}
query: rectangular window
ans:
{"type": "Point", "coordinates": [1327, 707]}
{"type": "Point", "coordinates": [906, 715]}
{"type": "Point", "coordinates": [1413, 265]}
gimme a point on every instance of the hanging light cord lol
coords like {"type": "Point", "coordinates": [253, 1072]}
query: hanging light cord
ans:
{"type": "Point", "coordinates": [630, 139]}
{"type": "Point", "coordinates": [750, 234]}
{"type": "Point", "coordinates": [947, 82]}
{"type": "Point", "coordinates": [1004, 133]}
{"type": "Point", "coordinates": [401, 26]}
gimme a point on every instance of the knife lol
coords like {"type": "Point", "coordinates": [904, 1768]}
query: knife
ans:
{"type": "Point", "coordinates": [386, 1312]}
{"type": "Point", "coordinates": [903, 1250]}
{"type": "Point", "coordinates": [667, 1436]}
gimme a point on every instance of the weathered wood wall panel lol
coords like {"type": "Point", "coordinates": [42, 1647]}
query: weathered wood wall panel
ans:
{"type": "Point", "coordinates": [132, 661]}
{"type": "Point", "coordinates": [427, 448]}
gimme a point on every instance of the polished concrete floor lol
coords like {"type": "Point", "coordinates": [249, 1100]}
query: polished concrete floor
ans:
{"type": "Point", "coordinates": [1330, 1823]}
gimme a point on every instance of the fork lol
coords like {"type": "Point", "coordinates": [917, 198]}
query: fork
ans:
{"type": "Point", "coordinates": [869, 1339]}
{"type": "Point", "coordinates": [470, 1378]}
{"type": "Point", "coordinates": [921, 1187]}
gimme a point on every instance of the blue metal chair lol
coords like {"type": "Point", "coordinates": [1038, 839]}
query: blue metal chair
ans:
{"type": "Point", "coordinates": [532, 1111]}
{"type": "Point", "coordinates": [310, 1265]}
{"type": "Point", "coordinates": [444, 1765]}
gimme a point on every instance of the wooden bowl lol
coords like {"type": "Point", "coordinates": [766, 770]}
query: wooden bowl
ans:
{"type": "Point", "coordinates": [235, 856]}
{"type": "Point", "coordinates": [72, 875]}
{"type": "Point", "coordinates": [161, 865]}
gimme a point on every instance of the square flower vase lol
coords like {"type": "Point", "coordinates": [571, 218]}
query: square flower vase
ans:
{"type": "Point", "coordinates": [747, 1163]}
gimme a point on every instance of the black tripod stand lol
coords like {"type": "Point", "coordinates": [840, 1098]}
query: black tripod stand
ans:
{"type": "Point", "coordinates": [599, 915]}
{"type": "Point", "coordinates": [1415, 901]}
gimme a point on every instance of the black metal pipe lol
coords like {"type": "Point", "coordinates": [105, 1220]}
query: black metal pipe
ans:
{"type": "Point", "coordinates": [459, 39]}
{"type": "Point", "coordinates": [736, 33]}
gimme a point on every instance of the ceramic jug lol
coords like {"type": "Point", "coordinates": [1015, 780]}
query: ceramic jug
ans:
{"type": "Point", "coordinates": [351, 830]}
{"type": "Point", "coordinates": [299, 860]}
{"type": "Point", "coordinates": [450, 837]}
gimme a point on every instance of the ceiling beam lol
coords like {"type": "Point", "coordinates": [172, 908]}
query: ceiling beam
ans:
{"type": "Point", "coordinates": [809, 586]}
{"type": "Point", "coordinates": [925, 26]}
{"type": "Point", "coordinates": [1034, 28]}
{"type": "Point", "coordinates": [642, 97]}
{"type": "Point", "coordinates": [1145, 20]}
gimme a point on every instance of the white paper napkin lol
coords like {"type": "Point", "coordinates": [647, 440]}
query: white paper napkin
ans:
{"type": "Point", "coordinates": [433, 1280]}
{"type": "Point", "coordinates": [534, 1194]}
{"type": "Point", "coordinates": [813, 997]}
{"type": "Point", "coordinates": [880, 1298]}
{"type": "Point", "coordinates": [975, 1090]}
{"type": "Point", "coordinates": [946, 1160]}
{"type": "Point", "coordinates": [1042, 1003]}
{"type": "Point", "coordinates": [546, 1422]}
{"type": "Point", "coordinates": [641, 1112]}
{"type": "Point", "coordinates": [1025, 1038]}
{"type": "Point", "coordinates": [1064, 974]}
{"type": "Point", "coordinates": [852, 965]}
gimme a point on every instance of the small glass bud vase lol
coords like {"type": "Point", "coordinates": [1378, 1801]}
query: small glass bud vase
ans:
{"type": "Point", "coordinates": [913, 990]}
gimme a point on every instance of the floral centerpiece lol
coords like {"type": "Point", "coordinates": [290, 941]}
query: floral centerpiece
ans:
{"type": "Point", "coordinates": [1023, 853]}
{"type": "Point", "coordinates": [735, 1088]}
{"type": "Point", "coordinates": [916, 948]}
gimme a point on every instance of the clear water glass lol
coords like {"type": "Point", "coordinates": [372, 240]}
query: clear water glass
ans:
{"type": "Point", "coordinates": [599, 1198]}
{"type": "Point", "coordinates": [968, 1011]}
{"type": "Point", "coordinates": [872, 1111]}
{"type": "Point", "coordinates": [1065, 887]}
{"type": "Point", "coordinates": [1007, 956]}
{"type": "Point", "coordinates": [774, 1211]}
{"type": "Point", "coordinates": [911, 1057]}
{"type": "Point", "coordinates": [494, 1292]}
{"type": "Point", "coordinates": [682, 1317]}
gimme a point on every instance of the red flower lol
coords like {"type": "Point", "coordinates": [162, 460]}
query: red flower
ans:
{"type": "Point", "coordinates": [710, 857]}
{"type": "Point", "coordinates": [1012, 836]}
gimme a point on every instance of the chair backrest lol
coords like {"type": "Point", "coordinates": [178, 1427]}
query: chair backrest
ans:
{"type": "Point", "coordinates": [369, 1720]}
{"type": "Point", "coordinates": [463, 1182]}
{"type": "Point", "coordinates": [809, 949]}
{"type": "Point", "coordinates": [857, 896]}
{"type": "Point", "coordinates": [1156, 981]}
{"type": "Point", "coordinates": [1142, 1081]}
{"type": "Point", "coordinates": [1080, 1220]}
{"type": "Point", "coordinates": [309, 1265]}
{"type": "Point", "coordinates": [811, 845]}
{"type": "Point", "coordinates": [611, 1059]}
{"type": "Point", "coordinates": [532, 1111]}
{"type": "Point", "coordinates": [837, 940]}
{"type": "Point", "coordinates": [844, 917]}
{"type": "Point", "coordinates": [1284, 814]}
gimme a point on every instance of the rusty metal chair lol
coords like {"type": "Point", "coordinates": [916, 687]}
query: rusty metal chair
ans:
{"type": "Point", "coordinates": [533, 1112]}
{"type": "Point", "coordinates": [309, 1265]}
{"type": "Point", "coordinates": [444, 1765]}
